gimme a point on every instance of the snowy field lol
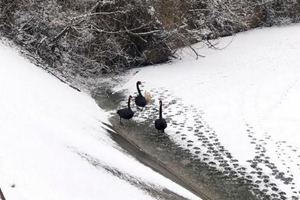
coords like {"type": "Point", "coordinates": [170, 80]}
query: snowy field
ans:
{"type": "Point", "coordinates": [236, 109]}
{"type": "Point", "coordinates": [53, 144]}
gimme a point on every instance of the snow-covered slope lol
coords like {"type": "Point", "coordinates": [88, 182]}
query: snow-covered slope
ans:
{"type": "Point", "coordinates": [53, 145]}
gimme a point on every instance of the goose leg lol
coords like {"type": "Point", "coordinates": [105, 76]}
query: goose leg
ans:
{"type": "Point", "coordinates": [139, 108]}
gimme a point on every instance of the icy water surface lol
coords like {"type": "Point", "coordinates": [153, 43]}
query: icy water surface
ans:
{"type": "Point", "coordinates": [203, 167]}
{"type": "Point", "coordinates": [191, 151]}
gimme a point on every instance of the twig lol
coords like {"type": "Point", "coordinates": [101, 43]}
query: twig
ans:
{"type": "Point", "coordinates": [142, 34]}
{"type": "Point", "coordinates": [61, 33]}
{"type": "Point", "coordinates": [210, 45]}
{"type": "Point", "coordinates": [197, 55]}
{"type": "Point", "coordinates": [42, 40]}
{"type": "Point", "coordinates": [98, 13]}
{"type": "Point", "coordinates": [190, 46]}
{"type": "Point", "coordinates": [22, 27]}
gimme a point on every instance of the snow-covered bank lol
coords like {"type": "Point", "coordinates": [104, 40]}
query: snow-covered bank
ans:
{"type": "Point", "coordinates": [243, 100]}
{"type": "Point", "coordinates": [53, 145]}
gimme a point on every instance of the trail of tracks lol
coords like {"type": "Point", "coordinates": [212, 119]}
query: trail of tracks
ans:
{"type": "Point", "coordinates": [192, 156]}
{"type": "Point", "coordinates": [120, 136]}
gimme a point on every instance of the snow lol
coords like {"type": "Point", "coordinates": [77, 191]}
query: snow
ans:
{"type": "Point", "coordinates": [53, 144]}
{"type": "Point", "coordinates": [246, 93]}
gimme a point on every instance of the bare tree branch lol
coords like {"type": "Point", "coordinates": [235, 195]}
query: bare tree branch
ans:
{"type": "Point", "coordinates": [143, 33]}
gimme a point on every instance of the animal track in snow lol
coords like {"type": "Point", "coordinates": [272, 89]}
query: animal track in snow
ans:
{"type": "Point", "coordinates": [188, 128]}
{"type": "Point", "coordinates": [261, 159]}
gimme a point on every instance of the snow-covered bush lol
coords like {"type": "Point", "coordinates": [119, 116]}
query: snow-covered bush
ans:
{"type": "Point", "coordinates": [87, 37]}
{"type": "Point", "coordinates": [90, 37]}
{"type": "Point", "coordinates": [206, 19]}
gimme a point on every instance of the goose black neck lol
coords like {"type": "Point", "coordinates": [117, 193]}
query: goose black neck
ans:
{"type": "Point", "coordinates": [129, 103]}
{"type": "Point", "coordinates": [138, 89]}
{"type": "Point", "coordinates": [160, 111]}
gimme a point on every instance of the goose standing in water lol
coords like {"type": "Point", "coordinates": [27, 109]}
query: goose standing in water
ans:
{"type": "Point", "coordinates": [126, 113]}
{"type": "Point", "coordinates": [140, 100]}
{"type": "Point", "coordinates": [160, 124]}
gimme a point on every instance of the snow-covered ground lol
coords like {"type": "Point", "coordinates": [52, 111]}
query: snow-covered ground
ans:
{"type": "Point", "coordinates": [236, 109]}
{"type": "Point", "coordinates": [53, 144]}
{"type": "Point", "coordinates": [243, 100]}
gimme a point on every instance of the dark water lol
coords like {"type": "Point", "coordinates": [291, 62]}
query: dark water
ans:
{"type": "Point", "coordinates": [151, 162]}
{"type": "Point", "coordinates": [168, 158]}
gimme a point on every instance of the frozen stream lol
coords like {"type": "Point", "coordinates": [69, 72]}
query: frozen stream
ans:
{"type": "Point", "coordinates": [168, 158]}
{"type": "Point", "coordinates": [233, 116]}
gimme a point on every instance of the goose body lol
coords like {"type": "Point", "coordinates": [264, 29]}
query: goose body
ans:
{"type": "Point", "coordinates": [160, 124]}
{"type": "Point", "coordinates": [140, 100]}
{"type": "Point", "coordinates": [126, 113]}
